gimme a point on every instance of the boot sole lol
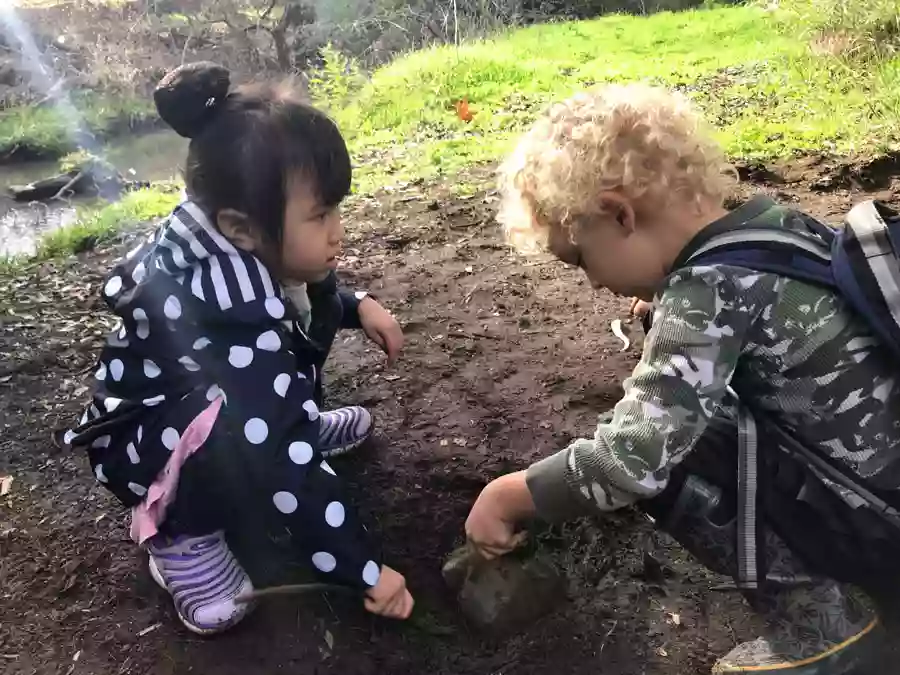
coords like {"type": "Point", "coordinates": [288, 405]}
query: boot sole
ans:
{"type": "Point", "coordinates": [842, 659]}
{"type": "Point", "coordinates": [197, 630]}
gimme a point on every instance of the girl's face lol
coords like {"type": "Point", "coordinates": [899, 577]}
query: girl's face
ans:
{"type": "Point", "coordinates": [312, 237]}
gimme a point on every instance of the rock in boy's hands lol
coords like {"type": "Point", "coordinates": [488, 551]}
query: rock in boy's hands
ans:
{"type": "Point", "coordinates": [389, 597]}
{"type": "Point", "coordinates": [381, 327]}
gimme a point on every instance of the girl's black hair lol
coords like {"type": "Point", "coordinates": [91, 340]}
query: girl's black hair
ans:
{"type": "Point", "coordinates": [248, 142]}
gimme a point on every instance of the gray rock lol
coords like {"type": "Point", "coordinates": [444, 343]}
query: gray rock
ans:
{"type": "Point", "coordinates": [503, 595]}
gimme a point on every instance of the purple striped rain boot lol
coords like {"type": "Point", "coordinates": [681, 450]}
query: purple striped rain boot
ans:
{"type": "Point", "coordinates": [203, 578]}
{"type": "Point", "coordinates": [343, 430]}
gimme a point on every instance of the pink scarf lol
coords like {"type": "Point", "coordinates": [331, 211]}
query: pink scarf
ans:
{"type": "Point", "coordinates": [147, 516]}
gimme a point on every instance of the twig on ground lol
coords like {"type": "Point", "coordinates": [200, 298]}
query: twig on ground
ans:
{"type": "Point", "coordinates": [608, 633]}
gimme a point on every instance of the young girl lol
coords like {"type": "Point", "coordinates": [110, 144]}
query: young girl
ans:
{"type": "Point", "coordinates": [206, 417]}
{"type": "Point", "coordinates": [626, 184]}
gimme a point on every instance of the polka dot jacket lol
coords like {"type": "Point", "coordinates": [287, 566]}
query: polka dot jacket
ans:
{"type": "Point", "coordinates": [201, 319]}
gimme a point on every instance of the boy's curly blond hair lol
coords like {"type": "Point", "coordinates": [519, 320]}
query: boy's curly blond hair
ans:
{"type": "Point", "coordinates": [646, 143]}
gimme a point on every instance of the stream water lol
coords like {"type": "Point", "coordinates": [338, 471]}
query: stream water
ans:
{"type": "Point", "coordinates": [158, 155]}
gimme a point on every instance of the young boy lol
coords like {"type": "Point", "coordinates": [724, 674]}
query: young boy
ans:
{"type": "Point", "coordinates": [625, 184]}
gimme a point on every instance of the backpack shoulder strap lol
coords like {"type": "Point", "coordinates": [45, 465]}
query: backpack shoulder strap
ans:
{"type": "Point", "coordinates": [772, 249]}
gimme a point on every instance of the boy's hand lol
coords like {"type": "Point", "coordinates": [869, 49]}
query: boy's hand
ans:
{"type": "Point", "coordinates": [639, 308]}
{"type": "Point", "coordinates": [381, 327]}
{"type": "Point", "coordinates": [389, 597]}
{"type": "Point", "coordinates": [491, 525]}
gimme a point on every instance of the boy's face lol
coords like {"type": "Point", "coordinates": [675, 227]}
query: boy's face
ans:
{"type": "Point", "coordinates": [613, 253]}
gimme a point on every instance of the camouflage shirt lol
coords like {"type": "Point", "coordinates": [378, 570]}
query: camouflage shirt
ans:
{"type": "Point", "coordinates": [795, 350]}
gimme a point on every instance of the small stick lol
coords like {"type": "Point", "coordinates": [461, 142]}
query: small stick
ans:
{"type": "Point", "coordinates": [291, 589]}
{"type": "Point", "coordinates": [473, 336]}
{"type": "Point", "coordinates": [69, 185]}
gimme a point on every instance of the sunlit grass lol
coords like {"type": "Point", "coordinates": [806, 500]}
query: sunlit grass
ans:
{"type": "Point", "coordinates": [768, 95]}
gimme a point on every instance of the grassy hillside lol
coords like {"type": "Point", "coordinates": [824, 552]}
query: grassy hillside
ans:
{"type": "Point", "coordinates": [756, 78]}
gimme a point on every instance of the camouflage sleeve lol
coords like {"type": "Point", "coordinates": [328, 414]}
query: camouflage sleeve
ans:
{"type": "Point", "coordinates": [700, 326]}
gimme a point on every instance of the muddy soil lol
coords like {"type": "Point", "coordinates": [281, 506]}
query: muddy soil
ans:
{"type": "Point", "coordinates": [506, 360]}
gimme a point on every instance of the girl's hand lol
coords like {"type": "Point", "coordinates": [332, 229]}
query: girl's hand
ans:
{"type": "Point", "coordinates": [491, 525]}
{"type": "Point", "coordinates": [639, 308]}
{"type": "Point", "coordinates": [381, 327]}
{"type": "Point", "coordinates": [389, 597]}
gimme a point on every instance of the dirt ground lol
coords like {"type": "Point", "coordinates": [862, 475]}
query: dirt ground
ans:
{"type": "Point", "coordinates": [506, 360]}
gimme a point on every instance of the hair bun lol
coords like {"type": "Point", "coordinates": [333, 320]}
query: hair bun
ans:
{"type": "Point", "coordinates": [186, 98]}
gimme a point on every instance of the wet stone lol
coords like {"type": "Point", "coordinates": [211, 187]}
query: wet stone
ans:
{"type": "Point", "coordinates": [504, 595]}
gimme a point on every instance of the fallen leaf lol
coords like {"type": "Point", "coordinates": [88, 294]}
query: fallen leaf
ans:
{"type": "Point", "coordinates": [461, 442]}
{"type": "Point", "coordinates": [329, 639]}
{"type": "Point", "coordinates": [5, 485]}
{"type": "Point", "coordinates": [674, 618]}
{"type": "Point", "coordinates": [463, 111]}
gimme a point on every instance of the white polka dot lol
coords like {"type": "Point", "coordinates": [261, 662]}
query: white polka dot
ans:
{"type": "Point", "coordinates": [102, 442]}
{"type": "Point", "coordinates": [300, 375]}
{"type": "Point", "coordinates": [201, 343]}
{"type": "Point", "coordinates": [256, 430]}
{"type": "Point", "coordinates": [213, 393]}
{"type": "Point", "coordinates": [371, 573]}
{"type": "Point", "coordinates": [116, 369]}
{"type": "Point", "coordinates": [324, 562]}
{"type": "Point", "coordinates": [111, 403]}
{"type": "Point", "coordinates": [282, 382]}
{"type": "Point", "coordinates": [300, 452]}
{"type": "Point", "coordinates": [101, 372]}
{"type": "Point", "coordinates": [269, 341]}
{"type": "Point", "coordinates": [122, 333]}
{"type": "Point", "coordinates": [334, 514]}
{"type": "Point", "coordinates": [312, 410]}
{"type": "Point", "coordinates": [151, 370]}
{"type": "Point", "coordinates": [189, 364]}
{"type": "Point", "coordinates": [142, 330]}
{"type": "Point", "coordinates": [139, 273]}
{"type": "Point", "coordinates": [139, 490]}
{"type": "Point", "coordinates": [116, 340]}
{"type": "Point", "coordinates": [285, 502]}
{"type": "Point", "coordinates": [172, 308]}
{"type": "Point", "coordinates": [170, 437]}
{"type": "Point", "coordinates": [140, 433]}
{"type": "Point", "coordinates": [240, 357]}
{"type": "Point", "coordinates": [275, 308]}
{"type": "Point", "coordinates": [361, 295]}
{"type": "Point", "coordinates": [113, 286]}
{"type": "Point", "coordinates": [326, 468]}
{"type": "Point", "coordinates": [68, 437]}
{"type": "Point", "coordinates": [154, 400]}
{"type": "Point", "coordinates": [98, 472]}
{"type": "Point", "coordinates": [132, 453]}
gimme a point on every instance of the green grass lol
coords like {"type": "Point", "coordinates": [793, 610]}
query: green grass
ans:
{"type": "Point", "coordinates": [43, 131]}
{"type": "Point", "coordinates": [101, 224]}
{"type": "Point", "coordinates": [769, 96]}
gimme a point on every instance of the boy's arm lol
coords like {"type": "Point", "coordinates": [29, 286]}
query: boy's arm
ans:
{"type": "Point", "coordinates": [699, 330]}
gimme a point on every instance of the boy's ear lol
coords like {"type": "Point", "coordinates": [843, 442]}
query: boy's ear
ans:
{"type": "Point", "coordinates": [237, 228]}
{"type": "Point", "coordinates": [621, 209]}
